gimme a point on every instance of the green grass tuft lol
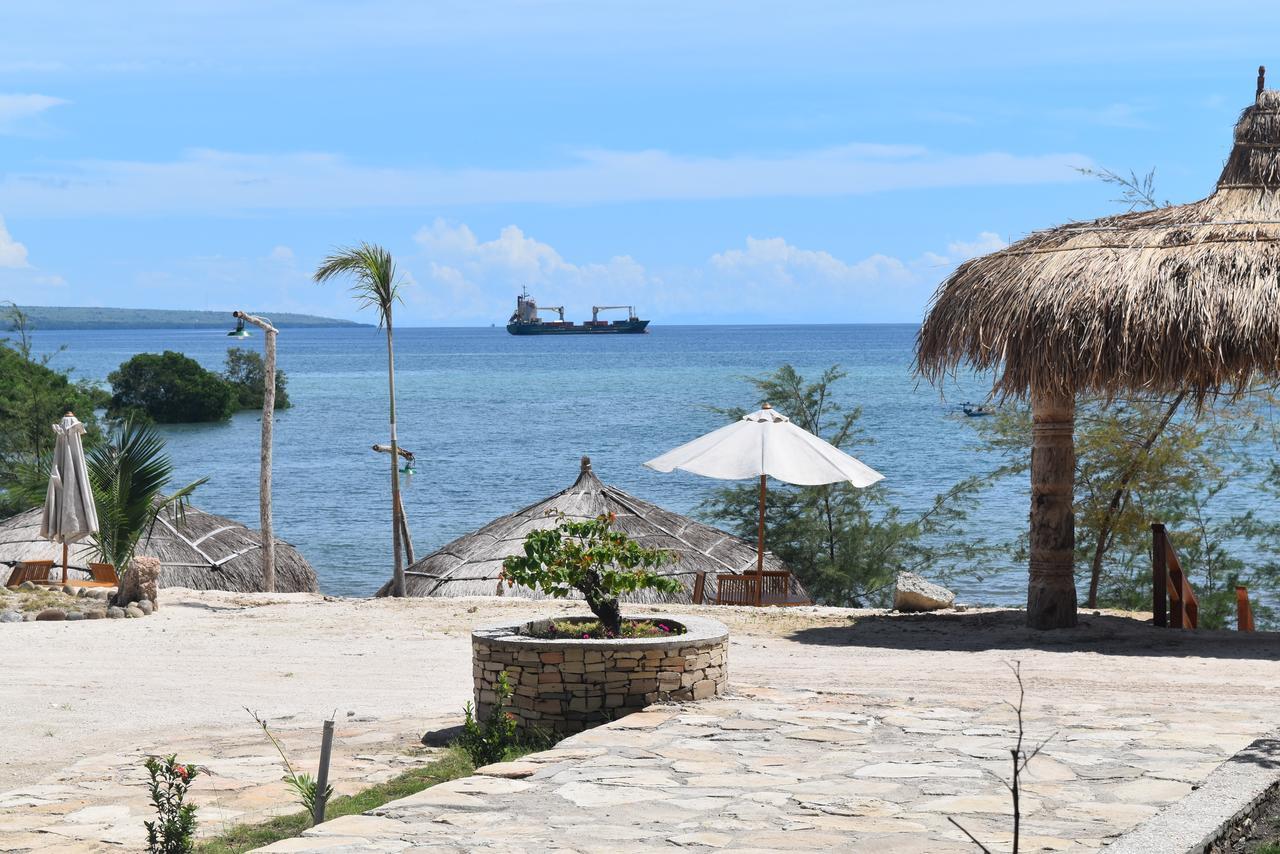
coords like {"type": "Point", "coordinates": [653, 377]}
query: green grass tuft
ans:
{"type": "Point", "coordinates": [450, 765]}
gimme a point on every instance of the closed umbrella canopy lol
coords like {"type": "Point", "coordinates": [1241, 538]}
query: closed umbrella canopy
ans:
{"type": "Point", "coordinates": [69, 514]}
{"type": "Point", "coordinates": [766, 443]}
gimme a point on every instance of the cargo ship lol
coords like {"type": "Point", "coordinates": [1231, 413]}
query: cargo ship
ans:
{"type": "Point", "coordinates": [525, 320]}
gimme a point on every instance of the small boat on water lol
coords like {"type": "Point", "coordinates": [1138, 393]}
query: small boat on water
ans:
{"type": "Point", "coordinates": [977, 410]}
{"type": "Point", "coordinates": [525, 320]}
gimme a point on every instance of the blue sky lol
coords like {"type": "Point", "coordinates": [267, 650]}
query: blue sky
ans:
{"type": "Point", "coordinates": [708, 161]}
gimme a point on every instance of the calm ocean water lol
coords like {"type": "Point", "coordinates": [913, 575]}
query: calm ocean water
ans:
{"type": "Point", "coordinates": [498, 422]}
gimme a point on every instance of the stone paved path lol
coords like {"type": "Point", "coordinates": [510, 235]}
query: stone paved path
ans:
{"type": "Point", "coordinates": [863, 728]}
{"type": "Point", "coordinates": [98, 803]}
{"type": "Point", "coordinates": [1131, 728]}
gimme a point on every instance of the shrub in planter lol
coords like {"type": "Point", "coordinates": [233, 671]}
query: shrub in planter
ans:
{"type": "Point", "coordinates": [592, 558]}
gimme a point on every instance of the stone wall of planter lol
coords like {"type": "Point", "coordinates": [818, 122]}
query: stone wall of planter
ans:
{"type": "Point", "coordinates": [568, 685]}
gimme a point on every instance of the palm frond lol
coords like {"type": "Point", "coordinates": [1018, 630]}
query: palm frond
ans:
{"type": "Point", "coordinates": [376, 282]}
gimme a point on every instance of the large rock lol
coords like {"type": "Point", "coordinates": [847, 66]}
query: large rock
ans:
{"type": "Point", "coordinates": [10, 617]}
{"type": "Point", "coordinates": [51, 614]}
{"type": "Point", "coordinates": [140, 582]}
{"type": "Point", "coordinates": [913, 593]}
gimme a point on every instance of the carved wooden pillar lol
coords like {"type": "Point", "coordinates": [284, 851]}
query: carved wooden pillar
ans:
{"type": "Point", "coordinates": [1051, 591]}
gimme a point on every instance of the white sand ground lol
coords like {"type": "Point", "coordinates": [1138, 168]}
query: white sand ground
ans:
{"type": "Point", "coordinates": [180, 679]}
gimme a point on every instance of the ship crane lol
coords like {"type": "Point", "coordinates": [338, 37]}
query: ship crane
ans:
{"type": "Point", "coordinates": [596, 309]}
{"type": "Point", "coordinates": [558, 309]}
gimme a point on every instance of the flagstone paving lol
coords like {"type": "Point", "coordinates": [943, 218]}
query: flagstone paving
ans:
{"type": "Point", "coordinates": [803, 771]}
{"type": "Point", "coordinates": [99, 802]}
{"type": "Point", "coordinates": [846, 731]}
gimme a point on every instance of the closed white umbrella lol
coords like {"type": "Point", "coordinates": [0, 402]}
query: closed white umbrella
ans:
{"type": "Point", "coordinates": [69, 513]}
{"type": "Point", "coordinates": [766, 444]}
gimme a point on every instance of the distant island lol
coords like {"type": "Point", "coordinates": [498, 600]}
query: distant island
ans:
{"type": "Point", "coordinates": [60, 317]}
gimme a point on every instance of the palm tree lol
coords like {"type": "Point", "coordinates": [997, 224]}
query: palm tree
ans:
{"type": "Point", "coordinates": [128, 472]}
{"type": "Point", "coordinates": [376, 285]}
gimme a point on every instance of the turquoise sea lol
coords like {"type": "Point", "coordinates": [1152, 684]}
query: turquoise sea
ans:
{"type": "Point", "coordinates": [498, 422]}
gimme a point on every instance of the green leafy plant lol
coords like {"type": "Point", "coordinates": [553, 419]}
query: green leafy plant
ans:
{"type": "Point", "coordinates": [34, 396]}
{"type": "Point", "coordinates": [304, 785]}
{"type": "Point", "coordinates": [170, 388]}
{"type": "Point", "coordinates": [592, 558]}
{"type": "Point", "coordinates": [247, 375]}
{"type": "Point", "coordinates": [128, 471]}
{"type": "Point", "coordinates": [173, 831]}
{"type": "Point", "coordinates": [498, 736]}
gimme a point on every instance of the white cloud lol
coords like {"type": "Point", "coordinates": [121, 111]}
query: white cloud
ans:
{"type": "Point", "coordinates": [281, 253]}
{"type": "Point", "coordinates": [13, 255]}
{"type": "Point", "coordinates": [207, 181]}
{"type": "Point", "coordinates": [15, 108]}
{"type": "Point", "coordinates": [466, 279]}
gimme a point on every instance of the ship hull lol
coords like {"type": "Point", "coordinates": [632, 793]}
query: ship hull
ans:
{"type": "Point", "coordinates": [630, 327]}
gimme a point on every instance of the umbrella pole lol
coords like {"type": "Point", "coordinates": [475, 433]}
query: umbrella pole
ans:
{"type": "Point", "coordinates": [760, 546]}
{"type": "Point", "coordinates": [64, 564]}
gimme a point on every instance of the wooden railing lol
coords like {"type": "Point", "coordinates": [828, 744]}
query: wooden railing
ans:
{"type": "Point", "coordinates": [1173, 601]}
{"type": "Point", "coordinates": [751, 588]}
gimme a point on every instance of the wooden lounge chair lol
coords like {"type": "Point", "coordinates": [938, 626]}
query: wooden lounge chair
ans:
{"type": "Point", "coordinates": [101, 575]}
{"type": "Point", "coordinates": [35, 571]}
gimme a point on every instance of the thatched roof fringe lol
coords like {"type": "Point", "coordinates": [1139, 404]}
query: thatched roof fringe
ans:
{"type": "Point", "coordinates": [472, 565]}
{"type": "Point", "coordinates": [1181, 298]}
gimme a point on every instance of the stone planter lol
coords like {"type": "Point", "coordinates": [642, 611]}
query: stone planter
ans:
{"type": "Point", "coordinates": [568, 685]}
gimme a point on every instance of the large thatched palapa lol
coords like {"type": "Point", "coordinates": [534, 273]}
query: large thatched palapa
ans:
{"type": "Point", "coordinates": [471, 565]}
{"type": "Point", "coordinates": [198, 550]}
{"type": "Point", "coordinates": [1182, 299]}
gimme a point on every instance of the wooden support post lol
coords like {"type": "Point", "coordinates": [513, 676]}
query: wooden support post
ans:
{"type": "Point", "coordinates": [760, 544]}
{"type": "Point", "coordinates": [1159, 577]}
{"type": "Point", "coordinates": [1051, 588]}
{"type": "Point", "coordinates": [322, 774]}
{"type": "Point", "coordinates": [264, 468]}
{"type": "Point", "coordinates": [1244, 613]}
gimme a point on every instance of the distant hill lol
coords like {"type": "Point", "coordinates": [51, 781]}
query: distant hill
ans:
{"type": "Point", "coordinates": [58, 317]}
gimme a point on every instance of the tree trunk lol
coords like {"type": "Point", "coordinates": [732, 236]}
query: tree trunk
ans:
{"type": "Point", "coordinates": [608, 612]}
{"type": "Point", "coordinates": [1051, 590]}
{"type": "Point", "coordinates": [264, 474]}
{"type": "Point", "coordinates": [397, 577]}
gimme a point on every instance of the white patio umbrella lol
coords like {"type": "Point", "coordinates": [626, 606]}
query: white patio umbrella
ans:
{"type": "Point", "coordinates": [69, 513]}
{"type": "Point", "coordinates": [766, 444]}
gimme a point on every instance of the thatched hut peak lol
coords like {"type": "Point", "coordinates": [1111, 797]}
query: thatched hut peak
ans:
{"type": "Point", "coordinates": [1183, 299]}
{"type": "Point", "coordinates": [471, 564]}
{"type": "Point", "coordinates": [197, 550]}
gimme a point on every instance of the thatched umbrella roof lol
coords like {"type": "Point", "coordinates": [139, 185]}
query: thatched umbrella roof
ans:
{"type": "Point", "coordinates": [1182, 298]}
{"type": "Point", "coordinates": [198, 550]}
{"type": "Point", "coordinates": [471, 564]}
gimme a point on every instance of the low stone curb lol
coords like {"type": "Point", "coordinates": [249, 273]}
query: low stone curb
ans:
{"type": "Point", "coordinates": [1198, 822]}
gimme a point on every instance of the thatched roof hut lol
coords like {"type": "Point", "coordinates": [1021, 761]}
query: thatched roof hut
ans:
{"type": "Point", "coordinates": [471, 564]}
{"type": "Point", "coordinates": [1181, 299]}
{"type": "Point", "coordinates": [199, 550]}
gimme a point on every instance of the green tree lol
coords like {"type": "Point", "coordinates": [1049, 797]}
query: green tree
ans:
{"type": "Point", "coordinates": [846, 545]}
{"type": "Point", "coordinates": [128, 471]}
{"type": "Point", "coordinates": [33, 397]}
{"type": "Point", "coordinates": [247, 375]}
{"type": "Point", "coordinates": [592, 558]}
{"type": "Point", "coordinates": [1146, 459]}
{"type": "Point", "coordinates": [170, 388]}
{"type": "Point", "coordinates": [376, 285]}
